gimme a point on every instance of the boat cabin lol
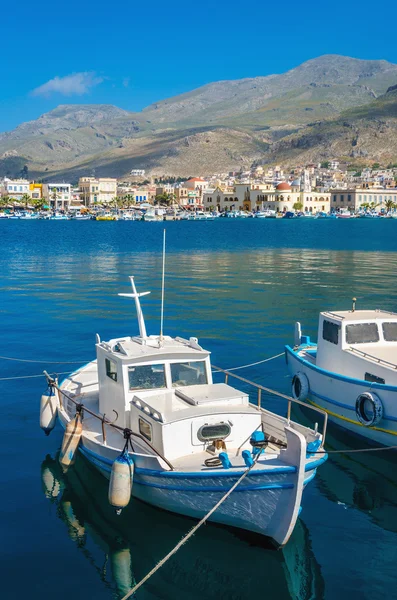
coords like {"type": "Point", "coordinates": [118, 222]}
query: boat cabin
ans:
{"type": "Point", "coordinates": [163, 389]}
{"type": "Point", "coordinates": [360, 344]}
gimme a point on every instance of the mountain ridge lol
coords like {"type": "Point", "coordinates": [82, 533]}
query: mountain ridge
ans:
{"type": "Point", "coordinates": [219, 126]}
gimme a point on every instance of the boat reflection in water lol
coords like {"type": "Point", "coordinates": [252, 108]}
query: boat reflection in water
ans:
{"type": "Point", "coordinates": [216, 563]}
{"type": "Point", "coordinates": [365, 481]}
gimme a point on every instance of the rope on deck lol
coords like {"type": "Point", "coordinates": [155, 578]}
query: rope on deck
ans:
{"type": "Point", "coordinates": [190, 533]}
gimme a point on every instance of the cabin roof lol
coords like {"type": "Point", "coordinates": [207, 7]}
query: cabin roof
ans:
{"type": "Point", "coordinates": [151, 349]}
{"type": "Point", "coordinates": [192, 401]}
{"type": "Point", "coordinates": [360, 315]}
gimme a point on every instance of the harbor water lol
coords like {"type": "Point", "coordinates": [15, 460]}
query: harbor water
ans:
{"type": "Point", "coordinates": [239, 286]}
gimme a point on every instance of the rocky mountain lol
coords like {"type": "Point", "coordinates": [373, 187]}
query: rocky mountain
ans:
{"type": "Point", "coordinates": [360, 135]}
{"type": "Point", "coordinates": [220, 126]}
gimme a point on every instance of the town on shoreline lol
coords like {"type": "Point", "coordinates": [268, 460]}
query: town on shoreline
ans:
{"type": "Point", "coordinates": [325, 189]}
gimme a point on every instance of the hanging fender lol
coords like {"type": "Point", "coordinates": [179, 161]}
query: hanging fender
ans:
{"type": "Point", "coordinates": [376, 406]}
{"type": "Point", "coordinates": [300, 386]}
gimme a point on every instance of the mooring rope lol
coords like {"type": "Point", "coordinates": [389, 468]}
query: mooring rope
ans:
{"type": "Point", "coordinates": [190, 533]}
{"type": "Point", "coordinates": [45, 362]}
{"type": "Point", "coordinates": [30, 376]}
{"type": "Point", "coordinates": [253, 364]}
{"type": "Point", "coordinates": [75, 362]}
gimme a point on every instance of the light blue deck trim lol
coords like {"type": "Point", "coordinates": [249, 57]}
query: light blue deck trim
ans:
{"type": "Point", "coordinates": [246, 488]}
{"type": "Point", "coordinates": [196, 475]}
{"type": "Point", "coordinates": [367, 384]}
{"type": "Point", "coordinates": [315, 463]}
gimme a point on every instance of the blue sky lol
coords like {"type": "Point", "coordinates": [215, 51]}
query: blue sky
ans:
{"type": "Point", "coordinates": [131, 54]}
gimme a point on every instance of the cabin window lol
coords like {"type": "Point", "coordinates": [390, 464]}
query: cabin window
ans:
{"type": "Point", "coordinates": [189, 373]}
{"type": "Point", "coordinates": [390, 331]}
{"type": "Point", "coordinates": [373, 378]}
{"type": "Point", "coordinates": [362, 333]}
{"type": "Point", "coordinates": [146, 377]}
{"type": "Point", "coordinates": [145, 429]}
{"type": "Point", "coordinates": [330, 332]}
{"type": "Point", "coordinates": [111, 369]}
{"type": "Point", "coordinates": [219, 431]}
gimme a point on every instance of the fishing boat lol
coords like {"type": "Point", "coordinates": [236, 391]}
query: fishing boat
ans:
{"type": "Point", "coordinates": [351, 372]}
{"type": "Point", "coordinates": [106, 216]}
{"type": "Point", "coordinates": [156, 423]}
{"type": "Point", "coordinates": [344, 213]}
{"type": "Point", "coordinates": [153, 215]}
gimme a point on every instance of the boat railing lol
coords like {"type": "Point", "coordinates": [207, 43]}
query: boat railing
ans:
{"type": "Point", "coordinates": [380, 361]}
{"type": "Point", "coordinates": [290, 400]}
{"type": "Point", "coordinates": [328, 312]}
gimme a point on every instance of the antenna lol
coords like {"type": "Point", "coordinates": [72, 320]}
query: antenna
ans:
{"type": "Point", "coordinates": [162, 293]}
{"type": "Point", "coordinates": [136, 296]}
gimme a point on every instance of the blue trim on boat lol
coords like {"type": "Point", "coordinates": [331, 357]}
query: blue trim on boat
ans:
{"type": "Point", "coordinates": [310, 478]}
{"type": "Point", "coordinates": [208, 488]}
{"type": "Point", "coordinates": [196, 475]}
{"type": "Point", "coordinates": [315, 463]}
{"type": "Point", "coordinates": [367, 384]}
{"type": "Point", "coordinates": [246, 488]}
{"type": "Point", "coordinates": [346, 406]}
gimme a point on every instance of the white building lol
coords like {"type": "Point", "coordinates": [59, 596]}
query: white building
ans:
{"type": "Point", "coordinates": [138, 172]}
{"type": "Point", "coordinates": [58, 195]}
{"type": "Point", "coordinates": [16, 188]}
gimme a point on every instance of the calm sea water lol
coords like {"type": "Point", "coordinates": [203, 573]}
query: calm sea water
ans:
{"type": "Point", "coordinates": [238, 286]}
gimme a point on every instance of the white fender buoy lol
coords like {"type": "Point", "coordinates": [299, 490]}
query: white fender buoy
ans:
{"type": "Point", "coordinates": [48, 411]}
{"type": "Point", "coordinates": [70, 442]}
{"type": "Point", "coordinates": [120, 484]}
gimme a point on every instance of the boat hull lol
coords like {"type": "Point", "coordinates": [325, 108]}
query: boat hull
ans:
{"type": "Point", "coordinates": [267, 502]}
{"type": "Point", "coordinates": [261, 504]}
{"type": "Point", "coordinates": [337, 395]}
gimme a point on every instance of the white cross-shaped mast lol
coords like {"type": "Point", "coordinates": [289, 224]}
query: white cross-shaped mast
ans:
{"type": "Point", "coordinates": [136, 296]}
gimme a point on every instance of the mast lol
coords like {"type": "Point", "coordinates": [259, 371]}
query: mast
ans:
{"type": "Point", "coordinates": [136, 296]}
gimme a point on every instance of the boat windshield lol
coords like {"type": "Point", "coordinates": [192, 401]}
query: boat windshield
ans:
{"type": "Point", "coordinates": [146, 377]}
{"type": "Point", "coordinates": [188, 373]}
{"type": "Point", "coordinates": [362, 333]}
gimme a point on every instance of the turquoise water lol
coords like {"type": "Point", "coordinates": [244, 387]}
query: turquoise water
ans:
{"type": "Point", "coordinates": [238, 286]}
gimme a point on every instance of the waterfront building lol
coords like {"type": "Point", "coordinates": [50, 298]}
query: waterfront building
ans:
{"type": "Point", "coordinates": [281, 198]}
{"type": "Point", "coordinates": [138, 173]}
{"type": "Point", "coordinates": [16, 188]}
{"type": "Point", "coordinates": [58, 195]}
{"type": "Point", "coordinates": [355, 199]}
{"type": "Point", "coordinates": [100, 190]}
{"type": "Point", "coordinates": [36, 190]}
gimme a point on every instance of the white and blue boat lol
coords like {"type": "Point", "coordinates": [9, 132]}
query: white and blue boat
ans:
{"type": "Point", "coordinates": [351, 372]}
{"type": "Point", "coordinates": [191, 439]}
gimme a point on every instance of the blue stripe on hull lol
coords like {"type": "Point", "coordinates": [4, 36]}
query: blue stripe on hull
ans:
{"type": "Point", "coordinates": [103, 464]}
{"type": "Point", "coordinates": [348, 380]}
{"type": "Point", "coordinates": [362, 382]}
